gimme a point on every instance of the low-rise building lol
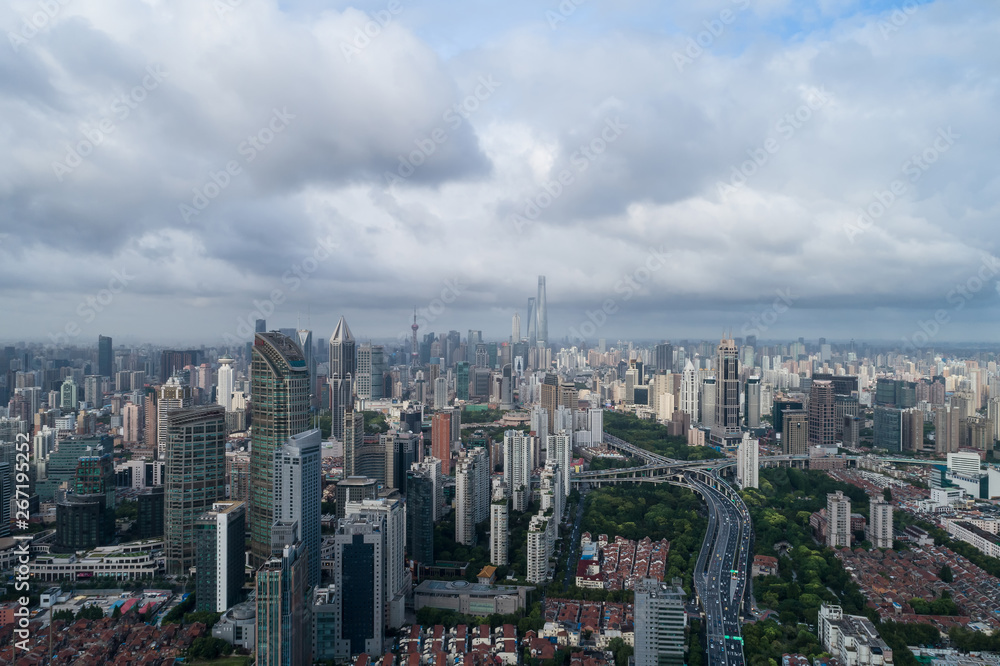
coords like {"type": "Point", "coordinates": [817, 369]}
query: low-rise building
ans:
{"type": "Point", "coordinates": [470, 598]}
{"type": "Point", "coordinates": [852, 639]}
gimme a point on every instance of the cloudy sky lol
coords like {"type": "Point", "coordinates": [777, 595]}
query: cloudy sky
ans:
{"type": "Point", "coordinates": [674, 169]}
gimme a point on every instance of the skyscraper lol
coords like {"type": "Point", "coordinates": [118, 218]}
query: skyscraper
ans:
{"type": "Point", "coordinates": [822, 424]}
{"type": "Point", "coordinates": [726, 428]}
{"type": "Point", "coordinates": [794, 431]}
{"type": "Point", "coordinates": [173, 395]}
{"type": "Point", "coordinates": [396, 586]}
{"type": "Point", "coordinates": [279, 383]}
{"type": "Point", "coordinates": [105, 356]}
{"type": "Point", "coordinates": [752, 413]}
{"type": "Point", "coordinates": [659, 624]}
{"type": "Point", "coordinates": [689, 391]}
{"type": "Point", "coordinates": [559, 449]}
{"type": "Point", "coordinates": [305, 339]}
{"type": "Point", "coordinates": [472, 493]}
{"type": "Point", "coordinates": [515, 328]}
{"type": "Point", "coordinates": [441, 439]}
{"type": "Point", "coordinates": [343, 370]}
{"type": "Point", "coordinates": [360, 580]}
{"type": "Point", "coordinates": [284, 631]}
{"type": "Point", "coordinates": [518, 461]}
{"type": "Point", "coordinates": [297, 493]}
{"type": "Point", "coordinates": [664, 360]}
{"type": "Point", "coordinates": [746, 462]}
{"type": "Point", "coordinates": [498, 527]}
{"type": "Point", "coordinates": [219, 538]}
{"type": "Point", "coordinates": [532, 323]}
{"type": "Point", "coordinates": [543, 314]}
{"type": "Point", "coordinates": [420, 500]}
{"type": "Point", "coordinates": [838, 520]}
{"type": "Point", "coordinates": [226, 383]}
{"type": "Point", "coordinates": [195, 478]}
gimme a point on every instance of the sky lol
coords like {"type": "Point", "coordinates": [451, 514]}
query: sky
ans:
{"type": "Point", "coordinates": [773, 167]}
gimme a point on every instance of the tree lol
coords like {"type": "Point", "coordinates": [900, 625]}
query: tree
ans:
{"type": "Point", "coordinates": [887, 494]}
{"type": "Point", "coordinates": [90, 612]}
{"type": "Point", "coordinates": [65, 615]}
{"type": "Point", "coordinates": [945, 574]}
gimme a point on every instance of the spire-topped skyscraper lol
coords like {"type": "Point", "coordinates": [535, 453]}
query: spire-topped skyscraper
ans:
{"type": "Point", "coordinates": [515, 328]}
{"type": "Point", "coordinates": [343, 368]}
{"type": "Point", "coordinates": [542, 330]}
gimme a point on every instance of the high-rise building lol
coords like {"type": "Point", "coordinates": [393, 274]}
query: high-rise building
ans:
{"type": "Point", "coordinates": [822, 422]}
{"type": "Point", "coordinates": [747, 469]}
{"type": "Point", "coordinates": [432, 466]}
{"type": "Point", "coordinates": [284, 628]}
{"type": "Point", "coordinates": [709, 394]}
{"type": "Point", "coordinates": [132, 423]}
{"type": "Point", "coordinates": [664, 357]}
{"type": "Point", "coordinates": [498, 527]}
{"type": "Point", "coordinates": [226, 384]}
{"type": "Point", "coordinates": [238, 475]}
{"type": "Point", "coordinates": [538, 548]}
{"type": "Point", "coordinates": [172, 395]}
{"type": "Point", "coordinates": [360, 580]}
{"type": "Point", "coordinates": [343, 371]}
{"type": "Point", "coordinates": [794, 431]}
{"type": "Point", "coordinates": [472, 493]}
{"type": "Point", "coordinates": [515, 328]}
{"type": "Point", "coordinates": [390, 512]}
{"type": "Point", "coordinates": [531, 332]}
{"type": "Point", "coordinates": [363, 382]}
{"type": "Point", "coordinates": [401, 450]}
{"type": "Point", "coordinates": [559, 450]}
{"type": "Point", "coordinates": [305, 339]}
{"type": "Point", "coordinates": [543, 314]}
{"type": "Point", "coordinates": [441, 440]}
{"type": "Point", "coordinates": [354, 489]}
{"type": "Point", "coordinates": [195, 473]}
{"type": "Point", "coordinates": [726, 427]}
{"type": "Point", "coordinates": [880, 524]}
{"type": "Point", "coordinates": [659, 623]}
{"type": "Point", "coordinates": [298, 493]}
{"type": "Point", "coordinates": [279, 384]}
{"type": "Point", "coordinates": [518, 461]}
{"type": "Point", "coordinates": [752, 413]}
{"type": "Point", "coordinates": [421, 497]}
{"type": "Point", "coordinates": [689, 391]}
{"type": "Point", "coordinates": [838, 520]}
{"type": "Point", "coordinates": [219, 538]}
{"type": "Point", "coordinates": [105, 356]}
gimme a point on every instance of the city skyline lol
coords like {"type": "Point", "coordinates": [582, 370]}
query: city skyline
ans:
{"type": "Point", "coordinates": [687, 165]}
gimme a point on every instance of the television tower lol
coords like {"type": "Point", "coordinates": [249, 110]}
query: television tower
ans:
{"type": "Point", "coordinates": [415, 350]}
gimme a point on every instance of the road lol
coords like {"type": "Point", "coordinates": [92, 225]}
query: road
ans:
{"type": "Point", "coordinates": [721, 572]}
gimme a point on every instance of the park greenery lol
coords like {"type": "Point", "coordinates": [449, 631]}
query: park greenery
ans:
{"type": "Point", "coordinates": [209, 648]}
{"type": "Point", "coordinates": [652, 436]}
{"type": "Point", "coordinates": [658, 511]}
{"type": "Point", "coordinates": [601, 463]}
